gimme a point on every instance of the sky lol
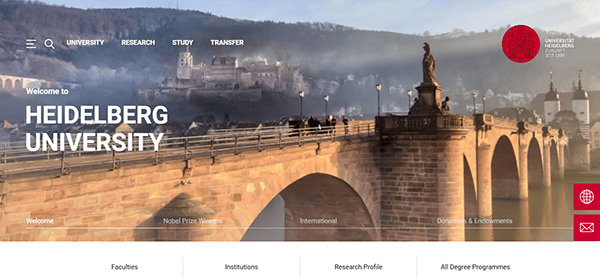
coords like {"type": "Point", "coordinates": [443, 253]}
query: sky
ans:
{"type": "Point", "coordinates": [580, 17]}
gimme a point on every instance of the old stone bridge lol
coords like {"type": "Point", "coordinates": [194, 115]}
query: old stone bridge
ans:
{"type": "Point", "coordinates": [392, 184]}
{"type": "Point", "coordinates": [16, 84]}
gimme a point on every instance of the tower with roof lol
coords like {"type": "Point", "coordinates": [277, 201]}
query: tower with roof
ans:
{"type": "Point", "coordinates": [581, 104]}
{"type": "Point", "coordinates": [551, 102]}
{"type": "Point", "coordinates": [185, 63]}
{"type": "Point", "coordinates": [580, 144]}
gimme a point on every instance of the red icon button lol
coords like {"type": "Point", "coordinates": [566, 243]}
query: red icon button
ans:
{"type": "Point", "coordinates": [586, 227]}
{"type": "Point", "coordinates": [586, 196]}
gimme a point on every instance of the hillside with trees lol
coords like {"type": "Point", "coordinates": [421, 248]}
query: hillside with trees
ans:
{"type": "Point", "coordinates": [326, 51]}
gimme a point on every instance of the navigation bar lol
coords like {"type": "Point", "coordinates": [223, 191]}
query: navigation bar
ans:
{"type": "Point", "coordinates": [300, 259]}
{"type": "Point", "coordinates": [50, 43]}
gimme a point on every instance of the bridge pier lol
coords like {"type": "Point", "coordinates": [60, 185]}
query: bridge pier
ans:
{"type": "Point", "coordinates": [580, 153]}
{"type": "Point", "coordinates": [451, 191]}
{"type": "Point", "coordinates": [484, 180]}
{"type": "Point", "coordinates": [523, 170]}
{"type": "Point", "coordinates": [426, 201]}
{"type": "Point", "coordinates": [422, 179]}
{"type": "Point", "coordinates": [547, 162]}
{"type": "Point", "coordinates": [561, 160]}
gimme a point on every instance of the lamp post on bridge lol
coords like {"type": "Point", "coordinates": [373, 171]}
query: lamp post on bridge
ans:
{"type": "Point", "coordinates": [474, 108]}
{"type": "Point", "coordinates": [326, 99]}
{"type": "Point", "coordinates": [483, 99]}
{"type": "Point", "coordinates": [409, 94]}
{"type": "Point", "coordinates": [378, 88]}
{"type": "Point", "coordinates": [301, 94]}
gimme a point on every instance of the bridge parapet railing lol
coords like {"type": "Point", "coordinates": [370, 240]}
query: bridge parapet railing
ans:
{"type": "Point", "coordinates": [534, 127]}
{"type": "Point", "coordinates": [393, 124]}
{"type": "Point", "coordinates": [16, 159]}
{"type": "Point", "coordinates": [487, 121]}
{"type": "Point", "coordinates": [483, 120]}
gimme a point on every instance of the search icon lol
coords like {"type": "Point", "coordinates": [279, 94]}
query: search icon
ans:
{"type": "Point", "coordinates": [49, 43]}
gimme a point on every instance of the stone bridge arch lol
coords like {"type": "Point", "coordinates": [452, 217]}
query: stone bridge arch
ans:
{"type": "Point", "coordinates": [315, 196]}
{"type": "Point", "coordinates": [240, 187]}
{"type": "Point", "coordinates": [535, 165]}
{"type": "Point", "coordinates": [505, 169]}
{"type": "Point", "coordinates": [18, 84]}
{"type": "Point", "coordinates": [470, 189]}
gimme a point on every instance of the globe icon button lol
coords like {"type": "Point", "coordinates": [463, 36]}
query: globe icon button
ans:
{"type": "Point", "coordinates": [586, 196]}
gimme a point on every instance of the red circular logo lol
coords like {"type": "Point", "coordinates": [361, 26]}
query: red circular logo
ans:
{"type": "Point", "coordinates": [521, 44]}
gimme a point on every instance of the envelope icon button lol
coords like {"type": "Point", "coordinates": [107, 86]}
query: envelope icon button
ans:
{"type": "Point", "coordinates": [586, 227]}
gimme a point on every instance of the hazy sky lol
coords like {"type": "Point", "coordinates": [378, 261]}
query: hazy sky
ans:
{"type": "Point", "coordinates": [580, 17]}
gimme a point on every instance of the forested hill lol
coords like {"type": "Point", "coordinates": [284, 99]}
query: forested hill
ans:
{"type": "Point", "coordinates": [327, 51]}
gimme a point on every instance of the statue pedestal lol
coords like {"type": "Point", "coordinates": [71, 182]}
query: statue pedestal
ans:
{"type": "Point", "coordinates": [429, 101]}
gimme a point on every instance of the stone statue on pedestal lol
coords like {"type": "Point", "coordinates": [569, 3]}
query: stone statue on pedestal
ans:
{"type": "Point", "coordinates": [428, 67]}
{"type": "Point", "coordinates": [430, 91]}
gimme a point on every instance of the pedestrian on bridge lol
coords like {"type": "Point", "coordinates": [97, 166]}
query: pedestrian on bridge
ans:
{"type": "Point", "coordinates": [345, 121]}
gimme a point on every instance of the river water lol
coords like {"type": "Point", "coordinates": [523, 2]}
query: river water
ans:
{"type": "Point", "coordinates": [546, 216]}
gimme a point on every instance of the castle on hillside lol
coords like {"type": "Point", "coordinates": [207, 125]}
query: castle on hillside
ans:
{"type": "Point", "coordinates": [224, 73]}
